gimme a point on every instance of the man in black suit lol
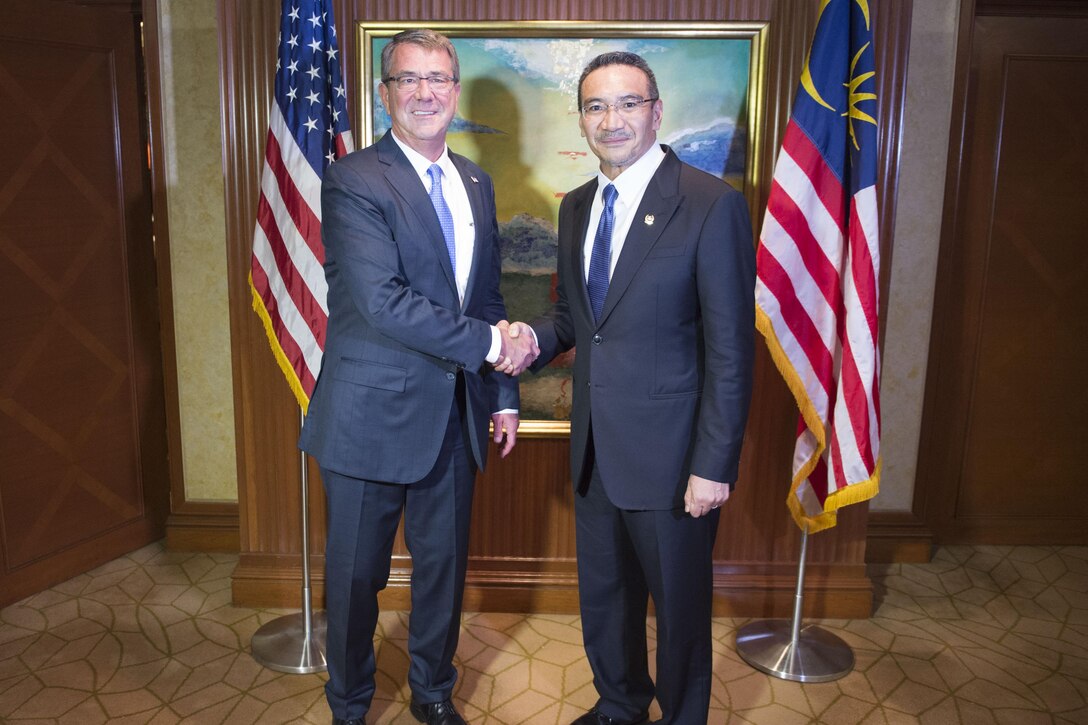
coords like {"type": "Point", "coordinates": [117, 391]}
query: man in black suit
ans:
{"type": "Point", "coordinates": [398, 420]}
{"type": "Point", "coordinates": [656, 288]}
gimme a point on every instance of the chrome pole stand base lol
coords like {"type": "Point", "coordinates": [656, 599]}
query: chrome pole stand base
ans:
{"type": "Point", "coordinates": [295, 643]}
{"type": "Point", "coordinates": [816, 656]}
{"type": "Point", "coordinates": [284, 646]}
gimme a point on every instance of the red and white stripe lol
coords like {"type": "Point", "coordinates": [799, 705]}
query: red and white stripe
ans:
{"type": "Point", "coordinates": [817, 302]}
{"type": "Point", "coordinates": [286, 271]}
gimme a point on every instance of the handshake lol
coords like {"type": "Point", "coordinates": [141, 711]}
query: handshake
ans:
{"type": "Point", "coordinates": [519, 348]}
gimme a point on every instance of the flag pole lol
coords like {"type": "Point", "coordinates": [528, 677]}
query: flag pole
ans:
{"type": "Point", "coordinates": [791, 652]}
{"type": "Point", "coordinates": [295, 643]}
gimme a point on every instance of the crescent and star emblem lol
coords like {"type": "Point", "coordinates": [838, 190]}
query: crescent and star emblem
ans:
{"type": "Point", "coordinates": [854, 94]}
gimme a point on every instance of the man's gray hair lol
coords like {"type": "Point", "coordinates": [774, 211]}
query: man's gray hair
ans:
{"type": "Point", "coordinates": [424, 38]}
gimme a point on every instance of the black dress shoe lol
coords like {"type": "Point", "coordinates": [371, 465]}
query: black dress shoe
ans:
{"type": "Point", "coordinates": [596, 717]}
{"type": "Point", "coordinates": [436, 713]}
{"type": "Point", "coordinates": [352, 721]}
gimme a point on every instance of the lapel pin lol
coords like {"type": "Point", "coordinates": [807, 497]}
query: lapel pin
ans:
{"type": "Point", "coordinates": [649, 220]}
{"type": "Point", "coordinates": [474, 180]}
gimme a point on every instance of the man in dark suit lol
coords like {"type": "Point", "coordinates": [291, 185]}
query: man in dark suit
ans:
{"type": "Point", "coordinates": [656, 277]}
{"type": "Point", "coordinates": [398, 420]}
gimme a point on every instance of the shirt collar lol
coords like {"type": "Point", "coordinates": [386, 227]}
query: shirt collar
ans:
{"type": "Point", "coordinates": [421, 163]}
{"type": "Point", "coordinates": [635, 177]}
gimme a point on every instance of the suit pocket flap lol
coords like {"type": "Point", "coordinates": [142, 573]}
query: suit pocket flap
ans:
{"type": "Point", "coordinates": [372, 374]}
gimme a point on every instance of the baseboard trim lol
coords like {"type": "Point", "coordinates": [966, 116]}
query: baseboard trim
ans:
{"type": "Point", "coordinates": [207, 527]}
{"type": "Point", "coordinates": [897, 537]}
{"type": "Point", "coordinates": [763, 590]}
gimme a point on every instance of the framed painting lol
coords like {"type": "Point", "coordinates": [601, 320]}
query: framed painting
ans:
{"type": "Point", "coordinates": [517, 118]}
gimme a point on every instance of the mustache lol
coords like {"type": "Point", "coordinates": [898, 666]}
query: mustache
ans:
{"type": "Point", "coordinates": [612, 136]}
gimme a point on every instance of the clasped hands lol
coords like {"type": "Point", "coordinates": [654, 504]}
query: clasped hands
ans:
{"type": "Point", "coordinates": [519, 348]}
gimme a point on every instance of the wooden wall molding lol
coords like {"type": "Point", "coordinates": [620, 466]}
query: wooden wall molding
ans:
{"type": "Point", "coordinates": [1033, 8]}
{"type": "Point", "coordinates": [522, 537]}
{"type": "Point", "coordinates": [203, 526]}
{"type": "Point", "coordinates": [898, 537]}
{"type": "Point", "coordinates": [751, 589]}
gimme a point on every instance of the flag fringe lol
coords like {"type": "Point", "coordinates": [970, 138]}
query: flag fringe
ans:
{"type": "Point", "coordinates": [827, 519]}
{"type": "Point", "coordinates": [793, 381]}
{"type": "Point", "coordinates": [855, 492]}
{"type": "Point", "coordinates": [277, 351]}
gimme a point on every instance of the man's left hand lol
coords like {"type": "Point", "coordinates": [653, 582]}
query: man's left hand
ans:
{"type": "Point", "coordinates": [505, 423]}
{"type": "Point", "coordinates": [704, 495]}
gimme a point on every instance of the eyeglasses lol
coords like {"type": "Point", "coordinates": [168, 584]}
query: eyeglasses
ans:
{"type": "Point", "coordinates": [410, 82]}
{"type": "Point", "coordinates": [626, 107]}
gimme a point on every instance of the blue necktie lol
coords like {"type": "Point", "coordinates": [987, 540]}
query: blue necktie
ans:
{"type": "Point", "coordinates": [601, 258]}
{"type": "Point", "coordinates": [445, 216]}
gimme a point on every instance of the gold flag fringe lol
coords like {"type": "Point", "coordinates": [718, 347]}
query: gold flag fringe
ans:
{"type": "Point", "coordinates": [277, 351]}
{"type": "Point", "coordinates": [854, 493]}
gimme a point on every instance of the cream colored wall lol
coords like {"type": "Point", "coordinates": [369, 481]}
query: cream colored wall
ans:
{"type": "Point", "coordinates": [194, 170]}
{"type": "Point", "coordinates": [922, 162]}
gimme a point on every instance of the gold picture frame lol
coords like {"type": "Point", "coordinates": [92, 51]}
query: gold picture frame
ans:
{"type": "Point", "coordinates": [517, 119]}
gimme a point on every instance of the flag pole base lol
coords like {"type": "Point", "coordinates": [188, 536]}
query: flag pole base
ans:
{"type": "Point", "coordinates": [295, 643]}
{"type": "Point", "coordinates": [815, 656]}
{"type": "Point", "coordinates": [285, 646]}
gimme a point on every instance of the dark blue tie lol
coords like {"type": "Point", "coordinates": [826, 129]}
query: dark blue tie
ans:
{"type": "Point", "coordinates": [601, 258]}
{"type": "Point", "coordinates": [445, 216]}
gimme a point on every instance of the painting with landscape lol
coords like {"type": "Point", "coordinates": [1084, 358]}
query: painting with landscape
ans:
{"type": "Point", "coordinates": [518, 119]}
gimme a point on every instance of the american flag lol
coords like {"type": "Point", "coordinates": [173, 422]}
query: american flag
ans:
{"type": "Point", "coordinates": [818, 269]}
{"type": "Point", "coordinates": [307, 130]}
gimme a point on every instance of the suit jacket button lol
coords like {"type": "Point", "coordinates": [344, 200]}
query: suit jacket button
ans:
{"type": "Point", "coordinates": [597, 339]}
{"type": "Point", "coordinates": [451, 375]}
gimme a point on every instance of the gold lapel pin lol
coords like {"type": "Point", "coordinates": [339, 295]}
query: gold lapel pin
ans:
{"type": "Point", "coordinates": [649, 220]}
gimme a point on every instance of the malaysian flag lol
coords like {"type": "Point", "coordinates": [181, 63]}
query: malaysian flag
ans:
{"type": "Point", "coordinates": [307, 130]}
{"type": "Point", "coordinates": [818, 269]}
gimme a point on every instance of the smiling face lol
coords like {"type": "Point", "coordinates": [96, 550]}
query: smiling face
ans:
{"type": "Point", "coordinates": [616, 139]}
{"type": "Point", "coordinates": [421, 116]}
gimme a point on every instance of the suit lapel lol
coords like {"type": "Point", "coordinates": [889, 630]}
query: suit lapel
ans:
{"type": "Point", "coordinates": [405, 181]}
{"type": "Point", "coordinates": [582, 203]}
{"type": "Point", "coordinates": [658, 205]}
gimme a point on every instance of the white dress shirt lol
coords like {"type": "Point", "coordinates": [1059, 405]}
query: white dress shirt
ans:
{"type": "Point", "coordinates": [453, 191]}
{"type": "Point", "coordinates": [464, 226]}
{"type": "Point", "coordinates": [630, 187]}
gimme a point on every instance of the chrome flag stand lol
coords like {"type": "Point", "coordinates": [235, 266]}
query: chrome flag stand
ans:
{"type": "Point", "coordinates": [791, 652]}
{"type": "Point", "coordinates": [295, 643]}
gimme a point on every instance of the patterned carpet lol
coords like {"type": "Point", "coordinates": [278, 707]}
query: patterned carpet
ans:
{"type": "Point", "coordinates": [982, 634]}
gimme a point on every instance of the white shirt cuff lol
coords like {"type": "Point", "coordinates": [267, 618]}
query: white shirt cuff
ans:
{"type": "Point", "coordinates": [496, 346]}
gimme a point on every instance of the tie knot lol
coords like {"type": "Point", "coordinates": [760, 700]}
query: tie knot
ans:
{"type": "Point", "coordinates": [609, 195]}
{"type": "Point", "coordinates": [435, 172]}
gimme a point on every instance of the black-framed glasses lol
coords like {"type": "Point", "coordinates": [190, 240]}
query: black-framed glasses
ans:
{"type": "Point", "coordinates": [410, 82]}
{"type": "Point", "coordinates": [624, 107]}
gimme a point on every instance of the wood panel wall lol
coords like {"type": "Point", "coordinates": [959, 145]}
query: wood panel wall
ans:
{"type": "Point", "coordinates": [82, 419]}
{"type": "Point", "coordinates": [1003, 426]}
{"type": "Point", "coordinates": [522, 550]}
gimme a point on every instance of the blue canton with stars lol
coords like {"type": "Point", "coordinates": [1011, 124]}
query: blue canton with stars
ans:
{"type": "Point", "coordinates": [309, 85]}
